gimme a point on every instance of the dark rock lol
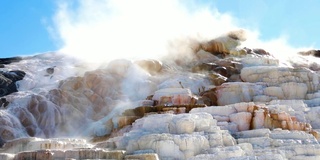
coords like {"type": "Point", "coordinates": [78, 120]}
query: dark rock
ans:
{"type": "Point", "coordinates": [225, 68]}
{"type": "Point", "coordinates": [14, 75]}
{"type": "Point", "coordinates": [4, 81]}
{"type": "Point", "coordinates": [3, 92]}
{"type": "Point", "coordinates": [10, 60]}
{"type": "Point", "coordinates": [228, 68]}
{"type": "Point", "coordinates": [315, 53]}
{"type": "Point", "coordinates": [3, 102]}
{"type": "Point", "coordinates": [204, 67]}
{"type": "Point", "coordinates": [2, 142]}
{"type": "Point", "coordinates": [248, 50]}
{"type": "Point", "coordinates": [258, 51]}
{"type": "Point", "coordinates": [50, 70]}
{"type": "Point", "coordinates": [261, 51]}
{"type": "Point", "coordinates": [226, 63]}
{"type": "Point", "coordinates": [222, 70]}
{"type": "Point", "coordinates": [7, 81]}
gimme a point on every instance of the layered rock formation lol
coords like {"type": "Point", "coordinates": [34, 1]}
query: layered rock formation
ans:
{"type": "Point", "coordinates": [225, 102]}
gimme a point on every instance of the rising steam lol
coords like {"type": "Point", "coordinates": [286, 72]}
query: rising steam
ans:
{"type": "Point", "coordinates": [108, 29]}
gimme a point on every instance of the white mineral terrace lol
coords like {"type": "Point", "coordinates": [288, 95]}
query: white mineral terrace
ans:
{"type": "Point", "coordinates": [223, 102]}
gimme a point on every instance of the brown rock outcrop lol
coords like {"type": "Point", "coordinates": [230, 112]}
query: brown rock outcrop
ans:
{"type": "Point", "coordinates": [214, 47]}
{"type": "Point", "coordinates": [151, 66]}
{"type": "Point", "coordinates": [209, 97]}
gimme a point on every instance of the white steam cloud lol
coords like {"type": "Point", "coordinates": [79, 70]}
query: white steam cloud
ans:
{"type": "Point", "coordinates": [108, 29]}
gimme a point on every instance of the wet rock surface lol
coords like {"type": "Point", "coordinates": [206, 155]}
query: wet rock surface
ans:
{"type": "Point", "coordinates": [8, 81]}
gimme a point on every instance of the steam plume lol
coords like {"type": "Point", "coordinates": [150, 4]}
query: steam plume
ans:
{"type": "Point", "coordinates": [108, 29]}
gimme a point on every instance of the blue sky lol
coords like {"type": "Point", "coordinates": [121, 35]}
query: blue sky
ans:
{"type": "Point", "coordinates": [295, 19]}
{"type": "Point", "coordinates": [25, 25]}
